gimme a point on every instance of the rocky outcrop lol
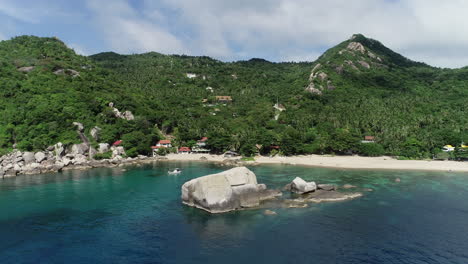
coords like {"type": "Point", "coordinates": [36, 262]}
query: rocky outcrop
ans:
{"type": "Point", "coordinates": [69, 72]}
{"type": "Point", "coordinates": [230, 190]}
{"type": "Point", "coordinates": [26, 69]}
{"type": "Point", "coordinates": [127, 115]}
{"type": "Point", "coordinates": [95, 131]}
{"type": "Point", "coordinates": [356, 46]}
{"type": "Point", "coordinates": [47, 161]}
{"type": "Point", "coordinates": [364, 64]}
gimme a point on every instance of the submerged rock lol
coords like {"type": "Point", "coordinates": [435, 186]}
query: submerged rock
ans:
{"type": "Point", "coordinates": [325, 196]}
{"type": "Point", "coordinates": [349, 186]}
{"type": "Point", "coordinates": [269, 212]}
{"type": "Point", "coordinates": [230, 190]}
{"type": "Point", "coordinates": [326, 187]}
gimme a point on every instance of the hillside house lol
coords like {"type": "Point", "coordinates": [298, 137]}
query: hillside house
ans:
{"type": "Point", "coordinates": [224, 99]}
{"type": "Point", "coordinates": [202, 142]}
{"type": "Point", "coordinates": [191, 75]}
{"type": "Point", "coordinates": [165, 143]}
{"type": "Point", "coordinates": [368, 139]}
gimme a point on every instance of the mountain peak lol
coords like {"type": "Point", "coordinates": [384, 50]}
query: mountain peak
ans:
{"type": "Point", "coordinates": [356, 55]}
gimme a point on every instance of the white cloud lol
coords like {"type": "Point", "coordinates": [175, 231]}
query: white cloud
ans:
{"type": "Point", "coordinates": [429, 30]}
{"type": "Point", "coordinates": [277, 28]}
{"type": "Point", "coordinates": [127, 31]}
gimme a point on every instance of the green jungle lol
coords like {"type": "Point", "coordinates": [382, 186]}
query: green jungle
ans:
{"type": "Point", "coordinates": [356, 89]}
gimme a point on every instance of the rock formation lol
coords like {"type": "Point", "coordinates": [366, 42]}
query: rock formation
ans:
{"type": "Point", "coordinates": [230, 190]}
{"type": "Point", "coordinates": [127, 115]}
{"type": "Point", "coordinates": [298, 185]}
{"type": "Point", "coordinates": [95, 131]}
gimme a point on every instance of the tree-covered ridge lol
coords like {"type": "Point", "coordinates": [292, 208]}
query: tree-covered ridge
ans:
{"type": "Point", "coordinates": [45, 87]}
{"type": "Point", "coordinates": [357, 88]}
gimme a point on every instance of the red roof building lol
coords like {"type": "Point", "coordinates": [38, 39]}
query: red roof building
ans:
{"type": "Point", "coordinates": [184, 149]}
{"type": "Point", "coordinates": [164, 141]}
{"type": "Point", "coordinates": [117, 143]}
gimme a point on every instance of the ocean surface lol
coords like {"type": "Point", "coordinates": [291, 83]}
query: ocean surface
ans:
{"type": "Point", "coordinates": [136, 216]}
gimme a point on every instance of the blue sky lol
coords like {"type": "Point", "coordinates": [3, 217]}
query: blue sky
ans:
{"type": "Point", "coordinates": [278, 30]}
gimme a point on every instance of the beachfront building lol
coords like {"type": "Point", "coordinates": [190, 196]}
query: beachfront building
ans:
{"type": "Point", "coordinates": [200, 147]}
{"type": "Point", "coordinates": [368, 139]}
{"type": "Point", "coordinates": [184, 150]}
{"type": "Point", "coordinates": [164, 144]}
{"type": "Point", "coordinates": [161, 144]}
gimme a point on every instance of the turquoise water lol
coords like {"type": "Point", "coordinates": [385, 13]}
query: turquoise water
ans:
{"type": "Point", "coordinates": [135, 216]}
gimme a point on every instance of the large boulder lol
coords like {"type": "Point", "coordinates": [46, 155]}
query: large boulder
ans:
{"type": "Point", "coordinates": [226, 191]}
{"type": "Point", "coordinates": [298, 185]}
{"type": "Point", "coordinates": [59, 150]}
{"type": "Point", "coordinates": [40, 156]}
{"type": "Point", "coordinates": [103, 148]}
{"type": "Point", "coordinates": [79, 149]}
{"type": "Point", "coordinates": [29, 157]}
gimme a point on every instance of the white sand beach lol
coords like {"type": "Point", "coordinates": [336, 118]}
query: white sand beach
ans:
{"type": "Point", "coordinates": [350, 162]}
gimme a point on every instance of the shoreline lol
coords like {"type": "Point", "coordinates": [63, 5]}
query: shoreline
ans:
{"type": "Point", "coordinates": [338, 162]}
{"type": "Point", "coordinates": [313, 161]}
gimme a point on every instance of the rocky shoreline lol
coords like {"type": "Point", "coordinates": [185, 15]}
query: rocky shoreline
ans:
{"type": "Point", "coordinates": [28, 163]}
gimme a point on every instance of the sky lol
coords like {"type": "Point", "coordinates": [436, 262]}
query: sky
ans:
{"type": "Point", "coordinates": [431, 31]}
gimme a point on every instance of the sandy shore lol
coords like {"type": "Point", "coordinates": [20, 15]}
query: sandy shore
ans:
{"type": "Point", "coordinates": [350, 162]}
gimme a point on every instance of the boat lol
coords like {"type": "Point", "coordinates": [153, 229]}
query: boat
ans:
{"type": "Point", "coordinates": [175, 171]}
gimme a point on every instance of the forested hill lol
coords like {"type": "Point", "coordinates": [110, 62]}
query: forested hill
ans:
{"type": "Point", "coordinates": [355, 89]}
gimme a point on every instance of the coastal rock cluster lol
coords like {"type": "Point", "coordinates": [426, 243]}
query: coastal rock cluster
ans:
{"type": "Point", "coordinates": [54, 159]}
{"type": "Point", "coordinates": [230, 190]}
{"type": "Point", "coordinates": [58, 157]}
{"type": "Point", "coordinates": [237, 188]}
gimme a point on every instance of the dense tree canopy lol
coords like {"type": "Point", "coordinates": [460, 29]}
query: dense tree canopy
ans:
{"type": "Point", "coordinates": [410, 108]}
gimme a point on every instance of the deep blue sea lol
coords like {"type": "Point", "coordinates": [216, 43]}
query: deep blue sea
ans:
{"type": "Point", "coordinates": [136, 216]}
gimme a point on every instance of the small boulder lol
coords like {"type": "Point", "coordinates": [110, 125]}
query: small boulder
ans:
{"type": "Point", "coordinates": [59, 150]}
{"type": "Point", "coordinates": [40, 156]}
{"type": "Point", "coordinates": [103, 148]}
{"type": "Point", "coordinates": [95, 131]}
{"type": "Point", "coordinates": [26, 69]}
{"type": "Point", "coordinates": [29, 157]}
{"type": "Point", "coordinates": [298, 185]}
{"type": "Point", "coordinates": [79, 126]}
{"type": "Point", "coordinates": [81, 149]}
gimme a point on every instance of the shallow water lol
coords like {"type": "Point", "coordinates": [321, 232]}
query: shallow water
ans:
{"type": "Point", "coordinates": [135, 216]}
